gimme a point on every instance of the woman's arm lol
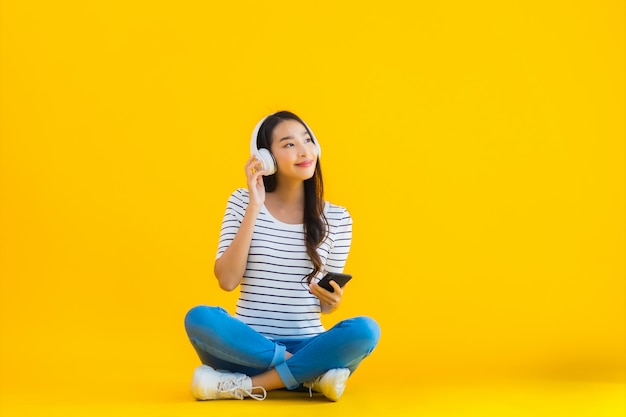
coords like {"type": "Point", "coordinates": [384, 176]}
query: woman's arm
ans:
{"type": "Point", "coordinates": [230, 267]}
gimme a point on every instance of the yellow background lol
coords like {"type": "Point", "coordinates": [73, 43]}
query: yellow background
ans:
{"type": "Point", "coordinates": [479, 147]}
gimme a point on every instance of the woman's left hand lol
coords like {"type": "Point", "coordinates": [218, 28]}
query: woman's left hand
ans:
{"type": "Point", "coordinates": [329, 300]}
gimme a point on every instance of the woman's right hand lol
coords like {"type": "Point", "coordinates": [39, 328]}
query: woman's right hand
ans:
{"type": "Point", "coordinates": [254, 173]}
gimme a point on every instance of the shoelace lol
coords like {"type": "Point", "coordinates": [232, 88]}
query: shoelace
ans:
{"type": "Point", "coordinates": [309, 385]}
{"type": "Point", "coordinates": [235, 386]}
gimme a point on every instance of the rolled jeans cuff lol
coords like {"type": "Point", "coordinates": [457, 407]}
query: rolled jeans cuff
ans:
{"type": "Point", "coordinates": [279, 355]}
{"type": "Point", "coordinates": [287, 377]}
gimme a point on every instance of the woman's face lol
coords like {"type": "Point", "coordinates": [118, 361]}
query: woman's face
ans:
{"type": "Point", "coordinates": [294, 151]}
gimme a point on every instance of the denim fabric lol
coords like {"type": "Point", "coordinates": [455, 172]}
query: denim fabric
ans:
{"type": "Point", "coordinates": [226, 343]}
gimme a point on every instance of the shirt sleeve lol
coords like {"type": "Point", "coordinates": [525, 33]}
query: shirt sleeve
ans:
{"type": "Point", "coordinates": [233, 216]}
{"type": "Point", "coordinates": [342, 240]}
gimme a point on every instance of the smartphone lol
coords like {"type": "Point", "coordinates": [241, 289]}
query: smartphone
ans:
{"type": "Point", "coordinates": [341, 279]}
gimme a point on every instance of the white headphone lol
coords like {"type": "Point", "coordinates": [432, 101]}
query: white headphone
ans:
{"type": "Point", "coordinates": [265, 156]}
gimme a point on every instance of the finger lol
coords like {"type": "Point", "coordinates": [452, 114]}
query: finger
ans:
{"type": "Point", "coordinates": [325, 296]}
{"type": "Point", "coordinates": [259, 170]}
{"type": "Point", "coordinates": [317, 291]}
{"type": "Point", "coordinates": [255, 167]}
{"type": "Point", "coordinates": [336, 287]}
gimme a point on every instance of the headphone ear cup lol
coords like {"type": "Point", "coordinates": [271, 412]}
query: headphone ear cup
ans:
{"type": "Point", "coordinates": [267, 159]}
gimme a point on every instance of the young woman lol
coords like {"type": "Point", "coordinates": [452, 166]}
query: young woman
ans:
{"type": "Point", "coordinates": [278, 238]}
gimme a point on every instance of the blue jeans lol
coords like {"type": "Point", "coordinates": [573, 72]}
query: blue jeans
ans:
{"type": "Point", "coordinates": [226, 343]}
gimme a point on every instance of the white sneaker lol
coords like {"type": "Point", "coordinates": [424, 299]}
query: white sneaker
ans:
{"type": "Point", "coordinates": [209, 384]}
{"type": "Point", "coordinates": [331, 384]}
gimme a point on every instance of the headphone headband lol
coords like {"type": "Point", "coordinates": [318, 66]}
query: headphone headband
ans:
{"type": "Point", "coordinates": [255, 134]}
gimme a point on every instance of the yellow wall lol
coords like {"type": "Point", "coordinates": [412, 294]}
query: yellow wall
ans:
{"type": "Point", "coordinates": [478, 145]}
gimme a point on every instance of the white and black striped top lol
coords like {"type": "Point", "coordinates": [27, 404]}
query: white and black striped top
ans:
{"type": "Point", "coordinates": [274, 297]}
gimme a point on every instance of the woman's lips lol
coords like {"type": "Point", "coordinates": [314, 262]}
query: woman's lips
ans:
{"type": "Point", "coordinates": [305, 164]}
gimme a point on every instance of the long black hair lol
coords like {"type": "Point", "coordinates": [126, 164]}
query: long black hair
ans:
{"type": "Point", "coordinates": [315, 222]}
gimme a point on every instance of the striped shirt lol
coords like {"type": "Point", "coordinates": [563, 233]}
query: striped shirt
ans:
{"type": "Point", "coordinates": [274, 297]}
